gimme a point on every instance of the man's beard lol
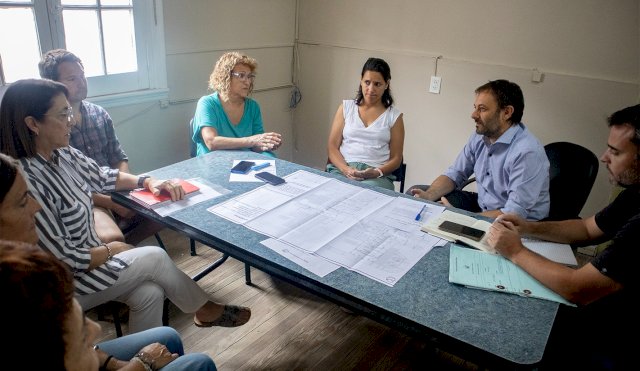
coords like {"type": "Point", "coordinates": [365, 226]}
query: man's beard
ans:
{"type": "Point", "coordinates": [629, 177]}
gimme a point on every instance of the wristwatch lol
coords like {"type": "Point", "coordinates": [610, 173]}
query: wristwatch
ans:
{"type": "Point", "coordinates": [141, 180]}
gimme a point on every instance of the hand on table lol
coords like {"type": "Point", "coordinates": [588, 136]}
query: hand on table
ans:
{"type": "Point", "coordinates": [172, 187]}
{"type": "Point", "coordinates": [266, 141]}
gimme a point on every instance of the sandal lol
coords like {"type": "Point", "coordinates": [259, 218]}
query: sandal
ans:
{"type": "Point", "coordinates": [230, 317]}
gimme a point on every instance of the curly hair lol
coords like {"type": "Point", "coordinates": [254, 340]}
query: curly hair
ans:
{"type": "Point", "coordinates": [50, 61]}
{"type": "Point", "coordinates": [220, 78]}
{"type": "Point", "coordinates": [38, 291]}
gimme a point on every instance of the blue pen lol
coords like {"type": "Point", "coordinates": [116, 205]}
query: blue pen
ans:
{"type": "Point", "coordinates": [420, 212]}
{"type": "Point", "coordinates": [261, 166]}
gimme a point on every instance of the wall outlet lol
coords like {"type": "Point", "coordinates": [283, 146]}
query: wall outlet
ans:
{"type": "Point", "coordinates": [434, 87]}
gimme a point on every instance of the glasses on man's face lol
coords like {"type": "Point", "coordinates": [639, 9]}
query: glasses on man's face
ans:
{"type": "Point", "coordinates": [67, 115]}
{"type": "Point", "coordinates": [243, 76]}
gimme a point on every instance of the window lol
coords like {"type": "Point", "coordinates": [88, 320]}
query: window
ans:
{"type": "Point", "coordinates": [120, 42]}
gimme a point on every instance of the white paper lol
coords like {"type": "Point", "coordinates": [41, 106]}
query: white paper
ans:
{"type": "Point", "coordinates": [558, 252]}
{"type": "Point", "coordinates": [360, 229]}
{"type": "Point", "coordinates": [310, 262]}
{"type": "Point", "coordinates": [205, 192]}
{"type": "Point", "coordinates": [250, 176]}
{"type": "Point", "coordinates": [252, 204]}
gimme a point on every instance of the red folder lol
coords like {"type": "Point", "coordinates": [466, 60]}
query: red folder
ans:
{"type": "Point", "coordinates": [146, 198]}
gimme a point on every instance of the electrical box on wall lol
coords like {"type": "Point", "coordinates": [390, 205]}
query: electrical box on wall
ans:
{"type": "Point", "coordinates": [434, 86]}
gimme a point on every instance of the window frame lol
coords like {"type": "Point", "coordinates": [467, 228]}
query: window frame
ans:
{"type": "Point", "coordinates": [148, 83]}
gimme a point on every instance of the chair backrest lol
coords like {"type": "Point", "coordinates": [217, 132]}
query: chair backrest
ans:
{"type": "Point", "coordinates": [192, 145]}
{"type": "Point", "coordinates": [572, 172]}
{"type": "Point", "coordinates": [400, 174]}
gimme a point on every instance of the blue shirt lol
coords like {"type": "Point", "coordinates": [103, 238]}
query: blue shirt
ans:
{"type": "Point", "coordinates": [512, 174]}
{"type": "Point", "coordinates": [209, 112]}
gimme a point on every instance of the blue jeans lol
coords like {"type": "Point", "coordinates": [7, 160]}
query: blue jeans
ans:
{"type": "Point", "coordinates": [124, 348]}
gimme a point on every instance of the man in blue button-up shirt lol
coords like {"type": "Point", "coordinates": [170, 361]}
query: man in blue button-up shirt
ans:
{"type": "Point", "coordinates": [510, 165]}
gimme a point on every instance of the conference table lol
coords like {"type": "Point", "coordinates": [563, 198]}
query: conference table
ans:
{"type": "Point", "coordinates": [489, 328]}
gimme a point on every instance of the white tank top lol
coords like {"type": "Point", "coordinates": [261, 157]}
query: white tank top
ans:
{"type": "Point", "coordinates": [366, 144]}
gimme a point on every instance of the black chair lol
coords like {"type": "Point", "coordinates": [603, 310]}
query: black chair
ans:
{"type": "Point", "coordinates": [192, 243]}
{"type": "Point", "coordinates": [400, 174]}
{"type": "Point", "coordinates": [572, 172]}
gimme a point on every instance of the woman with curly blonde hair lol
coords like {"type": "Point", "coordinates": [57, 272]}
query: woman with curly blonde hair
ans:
{"type": "Point", "coordinates": [228, 118]}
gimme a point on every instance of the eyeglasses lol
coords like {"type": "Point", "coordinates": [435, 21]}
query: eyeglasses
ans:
{"type": "Point", "coordinates": [64, 116]}
{"type": "Point", "coordinates": [243, 76]}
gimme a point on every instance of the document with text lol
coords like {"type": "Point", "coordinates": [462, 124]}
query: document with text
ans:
{"type": "Point", "coordinates": [360, 229]}
{"type": "Point", "coordinates": [477, 269]}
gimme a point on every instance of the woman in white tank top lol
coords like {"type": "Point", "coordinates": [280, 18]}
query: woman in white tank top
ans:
{"type": "Point", "coordinates": [367, 135]}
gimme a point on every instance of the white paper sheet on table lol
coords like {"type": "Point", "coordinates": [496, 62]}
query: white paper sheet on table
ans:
{"type": "Point", "coordinates": [250, 176]}
{"type": "Point", "coordinates": [206, 192]}
{"type": "Point", "coordinates": [361, 229]}
{"type": "Point", "coordinates": [558, 252]}
{"type": "Point", "coordinates": [249, 205]}
{"type": "Point", "coordinates": [312, 263]}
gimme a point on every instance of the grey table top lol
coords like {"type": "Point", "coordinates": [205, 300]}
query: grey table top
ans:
{"type": "Point", "coordinates": [499, 328]}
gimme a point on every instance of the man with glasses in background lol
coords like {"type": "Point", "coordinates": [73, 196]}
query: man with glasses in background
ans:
{"type": "Point", "coordinates": [509, 162]}
{"type": "Point", "coordinates": [94, 134]}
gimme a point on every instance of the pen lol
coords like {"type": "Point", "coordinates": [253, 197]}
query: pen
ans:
{"type": "Point", "coordinates": [420, 212]}
{"type": "Point", "coordinates": [261, 166]}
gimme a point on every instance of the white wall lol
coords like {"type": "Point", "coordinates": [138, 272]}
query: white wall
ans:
{"type": "Point", "coordinates": [587, 50]}
{"type": "Point", "coordinates": [196, 34]}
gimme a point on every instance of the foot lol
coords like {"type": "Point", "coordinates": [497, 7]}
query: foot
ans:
{"type": "Point", "coordinates": [229, 316]}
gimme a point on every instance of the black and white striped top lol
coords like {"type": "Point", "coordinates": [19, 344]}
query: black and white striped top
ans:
{"type": "Point", "coordinates": [65, 224]}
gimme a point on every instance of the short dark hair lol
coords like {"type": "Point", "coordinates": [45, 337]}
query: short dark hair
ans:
{"type": "Point", "coordinates": [507, 93]}
{"type": "Point", "coordinates": [50, 61]}
{"type": "Point", "coordinates": [38, 291]}
{"type": "Point", "coordinates": [630, 116]}
{"type": "Point", "coordinates": [23, 98]}
{"type": "Point", "coordinates": [8, 173]}
{"type": "Point", "coordinates": [382, 67]}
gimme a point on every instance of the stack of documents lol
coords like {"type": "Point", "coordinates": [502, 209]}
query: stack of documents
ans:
{"type": "Point", "coordinates": [431, 227]}
{"type": "Point", "coordinates": [476, 269]}
{"type": "Point", "coordinates": [558, 252]}
{"type": "Point", "coordinates": [323, 223]}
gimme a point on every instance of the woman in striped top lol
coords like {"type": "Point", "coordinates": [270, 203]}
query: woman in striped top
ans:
{"type": "Point", "coordinates": [35, 121]}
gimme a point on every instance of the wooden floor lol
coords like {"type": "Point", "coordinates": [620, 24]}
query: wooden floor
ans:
{"type": "Point", "coordinates": [289, 329]}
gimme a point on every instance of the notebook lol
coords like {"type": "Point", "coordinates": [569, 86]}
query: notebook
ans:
{"type": "Point", "coordinates": [148, 199]}
{"type": "Point", "coordinates": [479, 270]}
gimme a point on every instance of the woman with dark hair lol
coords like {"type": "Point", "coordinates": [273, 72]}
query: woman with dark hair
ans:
{"type": "Point", "coordinates": [367, 136]}
{"type": "Point", "coordinates": [38, 290]}
{"type": "Point", "coordinates": [35, 120]}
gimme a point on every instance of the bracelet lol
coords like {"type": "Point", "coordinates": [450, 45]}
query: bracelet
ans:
{"type": "Point", "coordinates": [141, 180]}
{"type": "Point", "coordinates": [147, 367]}
{"type": "Point", "coordinates": [109, 255]}
{"type": "Point", "coordinates": [379, 172]}
{"type": "Point", "coordinates": [104, 365]}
